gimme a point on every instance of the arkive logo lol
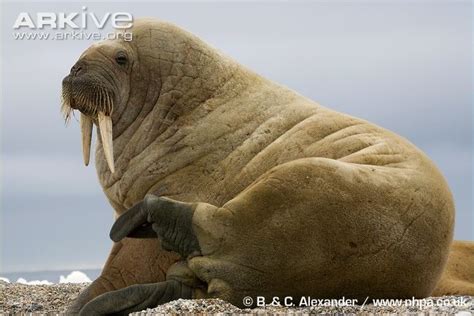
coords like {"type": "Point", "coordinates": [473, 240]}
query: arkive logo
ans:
{"type": "Point", "coordinates": [73, 20]}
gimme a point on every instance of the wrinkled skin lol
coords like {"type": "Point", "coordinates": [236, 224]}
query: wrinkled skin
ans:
{"type": "Point", "coordinates": [254, 189]}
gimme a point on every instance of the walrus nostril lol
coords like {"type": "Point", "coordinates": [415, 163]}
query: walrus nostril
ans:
{"type": "Point", "coordinates": [76, 69]}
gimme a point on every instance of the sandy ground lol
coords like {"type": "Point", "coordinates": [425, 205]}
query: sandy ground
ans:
{"type": "Point", "coordinates": [52, 299]}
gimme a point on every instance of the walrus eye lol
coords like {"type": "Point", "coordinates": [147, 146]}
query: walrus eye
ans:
{"type": "Point", "coordinates": [121, 58]}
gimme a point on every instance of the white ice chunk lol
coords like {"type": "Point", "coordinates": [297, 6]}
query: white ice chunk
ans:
{"type": "Point", "coordinates": [75, 277]}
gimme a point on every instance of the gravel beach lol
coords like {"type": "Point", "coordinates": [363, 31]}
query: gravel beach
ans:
{"type": "Point", "coordinates": [16, 298]}
{"type": "Point", "coordinates": [216, 306]}
{"type": "Point", "coordinates": [19, 299]}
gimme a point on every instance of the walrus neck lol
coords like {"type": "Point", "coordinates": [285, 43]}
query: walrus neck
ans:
{"type": "Point", "coordinates": [176, 73]}
{"type": "Point", "coordinates": [176, 88]}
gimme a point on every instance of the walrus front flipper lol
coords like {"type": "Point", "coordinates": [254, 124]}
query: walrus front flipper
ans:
{"type": "Point", "coordinates": [170, 220]}
{"type": "Point", "coordinates": [136, 298]}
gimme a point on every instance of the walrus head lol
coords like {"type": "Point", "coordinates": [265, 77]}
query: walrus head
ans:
{"type": "Point", "coordinates": [98, 85]}
{"type": "Point", "coordinates": [140, 88]}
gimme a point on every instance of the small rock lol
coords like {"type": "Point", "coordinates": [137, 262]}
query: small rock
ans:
{"type": "Point", "coordinates": [34, 307]}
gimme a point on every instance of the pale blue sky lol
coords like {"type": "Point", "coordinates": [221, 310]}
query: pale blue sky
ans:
{"type": "Point", "coordinates": [405, 65]}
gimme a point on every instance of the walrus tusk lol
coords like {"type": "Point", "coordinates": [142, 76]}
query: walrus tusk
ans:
{"type": "Point", "coordinates": [86, 133]}
{"type": "Point", "coordinates": [105, 127]}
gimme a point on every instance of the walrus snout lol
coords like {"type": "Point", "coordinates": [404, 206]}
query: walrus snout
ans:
{"type": "Point", "coordinates": [86, 93]}
{"type": "Point", "coordinates": [98, 85]}
{"type": "Point", "coordinates": [87, 89]}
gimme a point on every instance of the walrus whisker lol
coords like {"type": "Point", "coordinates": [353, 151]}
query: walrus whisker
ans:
{"type": "Point", "coordinates": [96, 95]}
{"type": "Point", "coordinates": [65, 107]}
{"type": "Point", "coordinates": [101, 98]}
{"type": "Point", "coordinates": [109, 107]}
{"type": "Point", "coordinates": [108, 103]}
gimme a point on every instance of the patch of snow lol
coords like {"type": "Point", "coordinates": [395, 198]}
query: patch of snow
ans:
{"type": "Point", "coordinates": [35, 282]}
{"type": "Point", "coordinates": [75, 277]}
{"type": "Point", "coordinates": [4, 280]}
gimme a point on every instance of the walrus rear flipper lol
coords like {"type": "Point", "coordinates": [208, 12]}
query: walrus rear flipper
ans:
{"type": "Point", "coordinates": [458, 275]}
{"type": "Point", "coordinates": [136, 298]}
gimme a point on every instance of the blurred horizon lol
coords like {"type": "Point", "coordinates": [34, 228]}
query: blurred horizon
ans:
{"type": "Point", "coordinates": [53, 276]}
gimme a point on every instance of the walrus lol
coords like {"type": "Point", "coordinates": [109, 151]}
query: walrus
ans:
{"type": "Point", "coordinates": [458, 276]}
{"type": "Point", "coordinates": [226, 184]}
